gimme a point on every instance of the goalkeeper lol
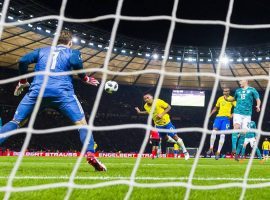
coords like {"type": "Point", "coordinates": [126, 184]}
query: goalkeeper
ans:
{"type": "Point", "coordinates": [162, 120]}
{"type": "Point", "coordinates": [59, 92]}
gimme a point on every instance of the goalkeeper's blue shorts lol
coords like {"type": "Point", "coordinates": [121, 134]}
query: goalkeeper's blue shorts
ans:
{"type": "Point", "coordinates": [68, 105]}
{"type": "Point", "coordinates": [222, 123]}
{"type": "Point", "coordinates": [168, 126]}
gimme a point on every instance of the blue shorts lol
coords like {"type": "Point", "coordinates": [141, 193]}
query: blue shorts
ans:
{"type": "Point", "coordinates": [222, 123]}
{"type": "Point", "coordinates": [168, 126]}
{"type": "Point", "coordinates": [265, 152]}
{"type": "Point", "coordinates": [68, 105]}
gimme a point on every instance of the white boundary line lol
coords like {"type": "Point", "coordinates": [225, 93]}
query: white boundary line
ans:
{"type": "Point", "coordinates": [136, 178]}
{"type": "Point", "coordinates": [125, 182]}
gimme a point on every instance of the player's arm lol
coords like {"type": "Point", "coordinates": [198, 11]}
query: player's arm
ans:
{"type": "Point", "coordinates": [215, 109]}
{"type": "Point", "coordinates": [258, 100]}
{"type": "Point", "coordinates": [140, 112]}
{"type": "Point", "coordinates": [229, 99]}
{"type": "Point", "coordinates": [24, 62]}
{"type": "Point", "coordinates": [77, 64]}
{"type": "Point", "coordinates": [258, 106]}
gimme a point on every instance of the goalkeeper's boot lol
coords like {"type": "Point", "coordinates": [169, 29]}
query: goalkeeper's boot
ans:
{"type": "Point", "coordinates": [186, 155]}
{"type": "Point", "coordinates": [92, 160]}
{"type": "Point", "coordinates": [217, 156]}
{"type": "Point", "coordinates": [210, 152]}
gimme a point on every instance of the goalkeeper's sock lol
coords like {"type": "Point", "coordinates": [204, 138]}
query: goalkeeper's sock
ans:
{"type": "Point", "coordinates": [10, 126]}
{"type": "Point", "coordinates": [181, 144]}
{"type": "Point", "coordinates": [234, 141]}
{"type": "Point", "coordinates": [212, 139]}
{"type": "Point", "coordinates": [83, 134]}
{"type": "Point", "coordinates": [259, 153]}
{"type": "Point", "coordinates": [240, 144]}
{"type": "Point", "coordinates": [221, 142]}
{"type": "Point", "coordinates": [170, 140]}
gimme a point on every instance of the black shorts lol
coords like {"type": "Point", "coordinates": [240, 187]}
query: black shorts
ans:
{"type": "Point", "coordinates": [155, 142]}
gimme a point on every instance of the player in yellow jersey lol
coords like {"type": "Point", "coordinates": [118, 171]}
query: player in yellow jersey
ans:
{"type": "Point", "coordinates": [266, 148]}
{"type": "Point", "coordinates": [222, 121]}
{"type": "Point", "coordinates": [176, 150]}
{"type": "Point", "coordinates": [162, 120]}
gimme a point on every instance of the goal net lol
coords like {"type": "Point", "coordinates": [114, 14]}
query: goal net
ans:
{"type": "Point", "coordinates": [131, 180]}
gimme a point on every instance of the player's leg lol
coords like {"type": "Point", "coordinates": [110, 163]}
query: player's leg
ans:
{"type": "Point", "coordinates": [71, 107]}
{"type": "Point", "coordinates": [220, 145]}
{"type": "Point", "coordinates": [258, 152]}
{"type": "Point", "coordinates": [212, 142]}
{"type": "Point", "coordinates": [234, 142]}
{"type": "Point", "coordinates": [154, 148]}
{"type": "Point", "coordinates": [264, 154]}
{"type": "Point", "coordinates": [225, 125]}
{"type": "Point", "coordinates": [156, 151]}
{"type": "Point", "coordinates": [20, 118]}
{"type": "Point", "coordinates": [216, 127]}
{"type": "Point", "coordinates": [170, 140]}
{"type": "Point", "coordinates": [243, 151]}
{"type": "Point", "coordinates": [267, 154]}
{"type": "Point", "coordinates": [237, 123]}
{"type": "Point", "coordinates": [253, 144]}
{"type": "Point", "coordinates": [159, 148]}
{"type": "Point", "coordinates": [178, 140]}
{"type": "Point", "coordinates": [240, 144]}
{"type": "Point", "coordinates": [173, 135]}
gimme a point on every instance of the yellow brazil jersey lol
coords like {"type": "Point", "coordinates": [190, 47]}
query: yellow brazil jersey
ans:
{"type": "Point", "coordinates": [159, 108]}
{"type": "Point", "coordinates": [224, 106]}
{"type": "Point", "coordinates": [266, 145]}
{"type": "Point", "coordinates": [176, 147]}
{"type": "Point", "coordinates": [95, 146]}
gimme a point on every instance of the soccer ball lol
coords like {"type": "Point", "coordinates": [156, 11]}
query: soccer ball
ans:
{"type": "Point", "coordinates": [111, 87]}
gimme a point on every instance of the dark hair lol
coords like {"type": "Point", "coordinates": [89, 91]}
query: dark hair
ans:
{"type": "Point", "coordinates": [148, 94]}
{"type": "Point", "coordinates": [65, 37]}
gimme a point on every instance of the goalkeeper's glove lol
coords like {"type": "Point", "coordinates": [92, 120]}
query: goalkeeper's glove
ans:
{"type": "Point", "coordinates": [90, 80]}
{"type": "Point", "coordinates": [21, 85]}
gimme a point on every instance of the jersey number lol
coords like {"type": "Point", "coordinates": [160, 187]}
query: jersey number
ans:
{"type": "Point", "coordinates": [243, 96]}
{"type": "Point", "coordinates": [54, 59]}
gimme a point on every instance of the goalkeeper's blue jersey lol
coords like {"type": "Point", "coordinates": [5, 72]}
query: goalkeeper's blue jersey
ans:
{"type": "Point", "coordinates": [63, 59]}
{"type": "Point", "coordinates": [244, 100]}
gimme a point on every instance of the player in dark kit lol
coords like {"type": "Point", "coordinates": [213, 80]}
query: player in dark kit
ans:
{"type": "Point", "coordinates": [154, 140]}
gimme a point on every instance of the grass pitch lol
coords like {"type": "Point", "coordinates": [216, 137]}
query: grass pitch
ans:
{"type": "Point", "coordinates": [39, 171]}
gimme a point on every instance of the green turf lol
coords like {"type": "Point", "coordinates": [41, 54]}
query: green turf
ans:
{"type": "Point", "coordinates": [50, 170]}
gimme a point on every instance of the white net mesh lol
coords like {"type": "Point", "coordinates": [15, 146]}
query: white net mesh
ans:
{"type": "Point", "coordinates": [131, 181]}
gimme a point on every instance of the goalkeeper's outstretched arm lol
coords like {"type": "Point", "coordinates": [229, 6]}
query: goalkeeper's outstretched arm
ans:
{"type": "Point", "coordinates": [24, 61]}
{"type": "Point", "coordinates": [77, 64]}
